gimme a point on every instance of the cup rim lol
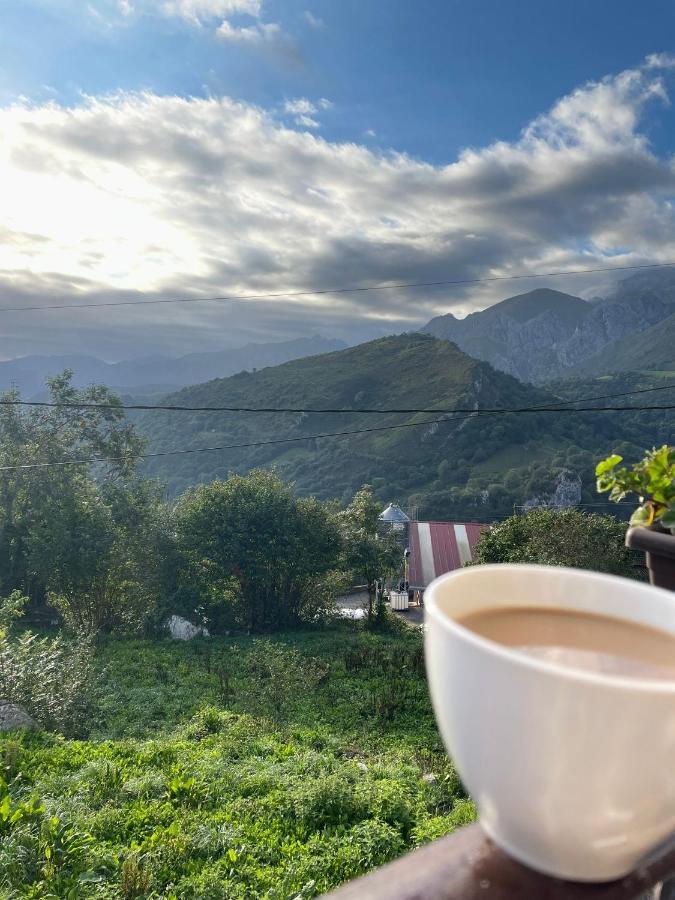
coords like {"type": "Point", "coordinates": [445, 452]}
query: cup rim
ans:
{"type": "Point", "coordinates": [619, 682]}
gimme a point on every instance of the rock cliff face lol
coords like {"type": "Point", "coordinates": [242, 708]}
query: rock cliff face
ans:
{"type": "Point", "coordinates": [566, 493]}
{"type": "Point", "coordinates": [545, 334]}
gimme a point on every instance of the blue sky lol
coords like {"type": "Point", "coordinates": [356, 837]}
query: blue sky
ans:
{"type": "Point", "coordinates": [205, 146]}
{"type": "Point", "coordinates": [428, 77]}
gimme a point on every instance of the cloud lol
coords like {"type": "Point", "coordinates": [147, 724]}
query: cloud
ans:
{"type": "Point", "coordinates": [260, 33]}
{"type": "Point", "coordinates": [199, 10]}
{"type": "Point", "coordinates": [140, 196]}
{"type": "Point", "coordinates": [299, 106]}
{"type": "Point", "coordinates": [308, 122]}
{"type": "Point", "coordinates": [314, 21]}
{"type": "Point", "coordinates": [660, 61]}
{"type": "Point", "coordinates": [304, 111]}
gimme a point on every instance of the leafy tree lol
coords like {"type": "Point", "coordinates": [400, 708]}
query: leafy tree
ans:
{"type": "Point", "coordinates": [369, 552]}
{"type": "Point", "coordinates": [259, 556]}
{"type": "Point", "coordinates": [80, 532]}
{"type": "Point", "coordinates": [554, 537]}
{"type": "Point", "coordinates": [97, 552]}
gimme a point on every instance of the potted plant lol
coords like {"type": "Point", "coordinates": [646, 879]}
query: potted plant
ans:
{"type": "Point", "coordinates": [653, 522]}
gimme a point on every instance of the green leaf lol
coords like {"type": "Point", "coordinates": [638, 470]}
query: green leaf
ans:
{"type": "Point", "coordinates": [643, 515]}
{"type": "Point", "coordinates": [668, 518]}
{"type": "Point", "coordinates": [608, 464]}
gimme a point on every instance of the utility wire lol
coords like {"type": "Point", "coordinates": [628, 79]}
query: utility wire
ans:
{"type": "Point", "coordinates": [310, 437]}
{"type": "Point", "coordinates": [339, 290]}
{"type": "Point", "coordinates": [553, 407]}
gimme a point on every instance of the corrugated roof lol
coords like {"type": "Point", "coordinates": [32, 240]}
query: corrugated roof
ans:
{"type": "Point", "coordinates": [439, 547]}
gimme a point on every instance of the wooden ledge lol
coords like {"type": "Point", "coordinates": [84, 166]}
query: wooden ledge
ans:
{"type": "Point", "coordinates": [466, 865]}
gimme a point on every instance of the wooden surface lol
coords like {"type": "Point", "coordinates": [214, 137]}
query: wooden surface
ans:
{"type": "Point", "coordinates": [466, 865]}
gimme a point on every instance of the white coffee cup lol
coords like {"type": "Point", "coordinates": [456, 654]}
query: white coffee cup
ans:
{"type": "Point", "coordinates": [573, 772]}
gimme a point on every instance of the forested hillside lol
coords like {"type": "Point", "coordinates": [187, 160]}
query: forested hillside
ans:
{"type": "Point", "coordinates": [474, 468]}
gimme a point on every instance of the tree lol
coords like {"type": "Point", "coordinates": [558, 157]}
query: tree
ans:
{"type": "Point", "coordinates": [260, 557]}
{"type": "Point", "coordinates": [79, 531]}
{"type": "Point", "coordinates": [369, 553]}
{"type": "Point", "coordinates": [554, 537]}
{"type": "Point", "coordinates": [97, 550]}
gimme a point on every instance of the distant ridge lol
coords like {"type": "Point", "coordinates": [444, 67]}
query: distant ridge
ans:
{"type": "Point", "coordinates": [158, 372]}
{"type": "Point", "coordinates": [546, 334]}
{"type": "Point", "coordinates": [650, 351]}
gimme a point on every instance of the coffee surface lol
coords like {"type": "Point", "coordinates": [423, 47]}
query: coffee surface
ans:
{"type": "Point", "coordinates": [579, 640]}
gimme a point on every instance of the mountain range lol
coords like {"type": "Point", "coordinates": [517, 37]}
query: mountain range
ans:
{"type": "Point", "coordinates": [472, 467]}
{"type": "Point", "coordinates": [546, 334]}
{"type": "Point", "coordinates": [158, 375]}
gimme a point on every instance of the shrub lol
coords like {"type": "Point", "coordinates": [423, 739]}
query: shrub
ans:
{"type": "Point", "coordinates": [553, 537]}
{"type": "Point", "coordinates": [278, 677]}
{"type": "Point", "coordinates": [53, 679]}
{"type": "Point", "coordinates": [249, 552]}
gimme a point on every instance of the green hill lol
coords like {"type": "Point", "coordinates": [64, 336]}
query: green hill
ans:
{"type": "Point", "coordinates": [474, 468]}
{"type": "Point", "coordinates": [648, 351]}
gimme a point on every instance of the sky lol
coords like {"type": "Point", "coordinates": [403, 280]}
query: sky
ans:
{"type": "Point", "coordinates": [189, 148]}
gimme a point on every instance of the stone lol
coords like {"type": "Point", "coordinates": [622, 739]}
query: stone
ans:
{"type": "Point", "coordinates": [430, 778]}
{"type": "Point", "coordinates": [566, 493]}
{"type": "Point", "coordinates": [13, 717]}
{"type": "Point", "coordinates": [181, 629]}
{"type": "Point", "coordinates": [362, 766]}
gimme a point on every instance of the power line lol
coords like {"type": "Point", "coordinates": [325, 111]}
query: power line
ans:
{"type": "Point", "coordinates": [310, 437]}
{"type": "Point", "coordinates": [286, 409]}
{"type": "Point", "coordinates": [339, 290]}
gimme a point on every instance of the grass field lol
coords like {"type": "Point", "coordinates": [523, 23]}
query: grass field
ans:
{"type": "Point", "coordinates": [232, 768]}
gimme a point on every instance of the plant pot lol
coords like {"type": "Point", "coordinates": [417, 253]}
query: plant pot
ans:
{"type": "Point", "coordinates": [658, 545]}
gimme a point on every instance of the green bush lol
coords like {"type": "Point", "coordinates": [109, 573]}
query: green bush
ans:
{"type": "Point", "coordinates": [567, 537]}
{"type": "Point", "coordinates": [52, 678]}
{"type": "Point", "coordinates": [250, 553]}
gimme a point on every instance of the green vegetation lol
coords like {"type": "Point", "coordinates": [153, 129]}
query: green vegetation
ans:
{"type": "Point", "coordinates": [369, 554]}
{"type": "Point", "coordinates": [471, 469]}
{"type": "Point", "coordinates": [79, 538]}
{"type": "Point", "coordinates": [96, 547]}
{"type": "Point", "coordinates": [652, 479]}
{"type": "Point", "coordinates": [236, 768]}
{"type": "Point", "coordinates": [559, 538]}
{"type": "Point", "coordinates": [51, 678]}
{"type": "Point", "coordinates": [248, 553]}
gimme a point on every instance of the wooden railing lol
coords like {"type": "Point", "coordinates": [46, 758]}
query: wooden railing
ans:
{"type": "Point", "coordinates": [466, 865]}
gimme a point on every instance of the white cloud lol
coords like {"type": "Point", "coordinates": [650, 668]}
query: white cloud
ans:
{"type": "Point", "coordinates": [199, 10]}
{"type": "Point", "coordinates": [299, 106]}
{"type": "Point", "coordinates": [660, 61]}
{"type": "Point", "coordinates": [173, 197]}
{"type": "Point", "coordinates": [260, 33]}
{"type": "Point", "coordinates": [314, 21]}
{"type": "Point", "coordinates": [304, 111]}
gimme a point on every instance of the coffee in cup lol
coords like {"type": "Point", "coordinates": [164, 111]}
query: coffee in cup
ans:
{"type": "Point", "coordinates": [554, 691]}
